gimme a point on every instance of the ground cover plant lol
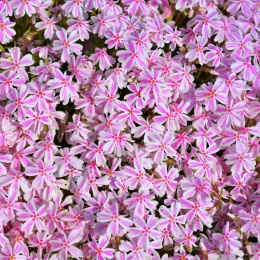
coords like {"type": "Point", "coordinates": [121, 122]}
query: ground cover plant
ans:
{"type": "Point", "coordinates": [129, 129]}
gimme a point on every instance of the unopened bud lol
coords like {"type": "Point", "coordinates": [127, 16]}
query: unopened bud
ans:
{"type": "Point", "coordinates": [249, 249]}
{"type": "Point", "coordinates": [232, 216]}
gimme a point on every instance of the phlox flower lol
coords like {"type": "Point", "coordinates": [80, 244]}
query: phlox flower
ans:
{"type": "Point", "coordinates": [196, 210]}
{"type": "Point", "coordinates": [65, 245]}
{"type": "Point", "coordinates": [251, 219]}
{"type": "Point", "coordinates": [33, 216]}
{"type": "Point", "coordinates": [141, 41]}
{"type": "Point", "coordinates": [240, 46]}
{"type": "Point", "coordinates": [228, 239]}
{"type": "Point", "coordinates": [117, 223]}
{"type": "Point", "coordinates": [136, 6]}
{"type": "Point", "coordinates": [68, 89]}
{"type": "Point", "coordinates": [136, 248]}
{"type": "Point", "coordinates": [136, 175]}
{"type": "Point", "coordinates": [187, 238]}
{"type": "Point", "coordinates": [173, 37]}
{"type": "Point", "coordinates": [67, 44]}
{"type": "Point", "coordinates": [6, 33]}
{"type": "Point", "coordinates": [101, 56]}
{"type": "Point", "coordinates": [146, 128]}
{"type": "Point", "coordinates": [49, 25]}
{"type": "Point", "coordinates": [5, 7]}
{"type": "Point", "coordinates": [211, 94]}
{"type": "Point", "coordinates": [111, 6]}
{"type": "Point", "coordinates": [240, 159]}
{"type": "Point", "coordinates": [144, 231]}
{"type": "Point", "coordinates": [202, 167]}
{"type": "Point", "coordinates": [17, 63]}
{"type": "Point", "coordinates": [183, 76]}
{"type": "Point", "coordinates": [40, 241]}
{"type": "Point", "coordinates": [161, 146]}
{"type": "Point", "coordinates": [115, 37]}
{"type": "Point", "coordinates": [166, 179]}
{"type": "Point", "coordinates": [75, 7]}
{"type": "Point", "coordinates": [139, 202]}
{"type": "Point", "coordinates": [131, 57]}
{"type": "Point", "coordinates": [80, 25]}
{"type": "Point", "coordinates": [99, 248]}
{"type": "Point", "coordinates": [108, 97]}
{"type": "Point", "coordinates": [215, 54]}
{"type": "Point", "coordinates": [116, 142]}
{"type": "Point", "coordinates": [8, 252]}
{"type": "Point", "coordinates": [102, 22]}
{"type": "Point", "coordinates": [43, 173]}
{"type": "Point", "coordinates": [152, 83]}
{"type": "Point", "coordinates": [205, 23]}
{"type": "Point", "coordinates": [197, 50]}
{"type": "Point", "coordinates": [244, 66]}
{"type": "Point", "coordinates": [28, 7]}
{"type": "Point", "coordinates": [171, 219]}
{"type": "Point", "coordinates": [67, 158]}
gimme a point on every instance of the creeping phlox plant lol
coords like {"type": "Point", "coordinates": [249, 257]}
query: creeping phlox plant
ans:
{"type": "Point", "coordinates": [129, 129]}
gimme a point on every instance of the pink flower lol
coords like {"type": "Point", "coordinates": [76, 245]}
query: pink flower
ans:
{"type": "Point", "coordinates": [115, 38]}
{"type": "Point", "coordinates": [171, 219]}
{"type": "Point", "coordinates": [49, 25]}
{"type": "Point", "coordinates": [251, 219]}
{"type": "Point", "coordinates": [81, 26]}
{"type": "Point", "coordinates": [161, 146]}
{"type": "Point", "coordinates": [240, 46]}
{"type": "Point", "coordinates": [196, 50]}
{"type": "Point", "coordinates": [145, 231]}
{"type": "Point", "coordinates": [67, 158]}
{"type": "Point", "coordinates": [166, 179]}
{"type": "Point", "coordinates": [116, 142]}
{"type": "Point", "coordinates": [75, 7]}
{"type": "Point", "coordinates": [152, 83]}
{"type": "Point", "coordinates": [129, 114]}
{"type": "Point", "coordinates": [182, 75]}
{"type": "Point", "coordinates": [211, 94]}
{"type": "Point", "coordinates": [17, 63]}
{"type": "Point", "coordinates": [228, 239]}
{"type": "Point", "coordinates": [105, 61]}
{"type": "Point", "coordinates": [117, 224]}
{"type": "Point", "coordinates": [215, 54]}
{"type": "Point", "coordinates": [68, 88]}
{"type": "Point", "coordinates": [240, 159]}
{"type": "Point", "coordinates": [67, 44]}
{"type": "Point", "coordinates": [8, 252]}
{"type": "Point", "coordinates": [244, 66]}
{"type": "Point", "coordinates": [97, 153]}
{"type": "Point", "coordinates": [230, 114]}
{"type": "Point", "coordinates": [33, 216]}
{"type": "Point", "coordinates": [65, 243]}
{"type": "Point", "coordinates": [136, 176]}
{"type": "Point", "coordinates": [29, 7]}
{"type": "Point", "coordinates": [99, 249]}
{"type": "Point", "coordinates": [6, 32]}
{"type": "Point", "coordinates": [206, 22]}
{"type": "Point", "coordinates": [187, 238]}
{"type": "Point", "coordinates": [139, 202]}
{"type": "Point", "coordinates": [108, 97]}
{"type": "Point", "coordinates": [173, 37]}
{"type": "Point", "coordinates": [44, 174]}
{"type": "Point", "coordinates": [102, 22]}
{"type": "Point", "coordinates": [136, 6]}
{"type": "Point", "coordinates": [130, 57]}
{"type": "Point", "coordinates": [136, 248]}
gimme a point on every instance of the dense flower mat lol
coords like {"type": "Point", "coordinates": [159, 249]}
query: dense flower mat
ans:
{"type": "Point", "coordinates": [129, 129]}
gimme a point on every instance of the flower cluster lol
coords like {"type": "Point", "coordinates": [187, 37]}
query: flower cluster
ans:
{"type": "Point", "coordinates": [129, 129]}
